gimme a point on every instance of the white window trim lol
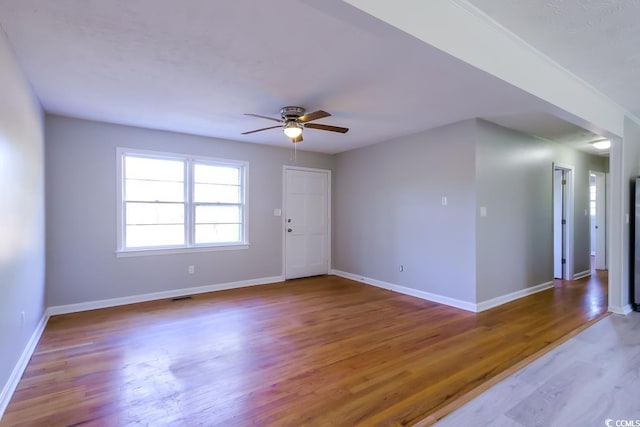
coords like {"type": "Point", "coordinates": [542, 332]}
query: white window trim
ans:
{"type": "Point", "coordinates": [189, 247]}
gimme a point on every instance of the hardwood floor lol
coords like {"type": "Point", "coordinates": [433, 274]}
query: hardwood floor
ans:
{"type": "Point", "coordinates": [592, 377]}
{"type": "Point", "coordinates": [318, 351]}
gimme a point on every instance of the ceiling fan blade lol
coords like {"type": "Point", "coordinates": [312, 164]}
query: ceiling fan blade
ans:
{"type": "Point", "coordinates": [297, 139]}
{"type": "Point", "coordinates": [313, 116]}
{"type": "Point", "coordinates": [260, 130]}
{"type": "Point", "coordinates": [264, 117]}
{"type": "Point", "coordinates": [326, 127]}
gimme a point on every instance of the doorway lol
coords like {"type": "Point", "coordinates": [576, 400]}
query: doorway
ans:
{"type": "Point", "coordinates": [306, 222]}
{"type": "Point", "coordinates": [597, 208]}
{"type": "Point", "coordinates": [563, 221]}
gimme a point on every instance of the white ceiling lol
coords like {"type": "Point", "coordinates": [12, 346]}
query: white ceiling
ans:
{"type": "Point", "coordinates": [196, 66]}
{"type": "Point", "coordinates": [597, 40]}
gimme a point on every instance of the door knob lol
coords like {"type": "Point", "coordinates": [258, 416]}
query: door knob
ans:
{"type": "Point", "coordinates": [289, 230]}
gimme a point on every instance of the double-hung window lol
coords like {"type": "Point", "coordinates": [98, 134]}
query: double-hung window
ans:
{"type": "Point", "coordinates": [174, 202]}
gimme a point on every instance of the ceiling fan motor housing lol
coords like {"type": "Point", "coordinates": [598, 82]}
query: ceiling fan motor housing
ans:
{"type": "Point", "coordinates": [292, 113]}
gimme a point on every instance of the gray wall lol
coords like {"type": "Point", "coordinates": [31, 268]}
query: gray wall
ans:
{"type": "Point", "coordinates": [631, 170]}
{"type": "Point", "coordinates": [81, 213]}
{"type": "Point", "coordinates": [514, 181]}
{"type": "Point", "coordinates": [21, 212]}
{"type": "Point", "coordinates": [388, 211]}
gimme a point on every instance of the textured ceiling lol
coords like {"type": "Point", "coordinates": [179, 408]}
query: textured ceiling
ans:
{"type": "Point", "coordinates": [597, 40]}
{"type": "Point", "coordinates": [196, 66]}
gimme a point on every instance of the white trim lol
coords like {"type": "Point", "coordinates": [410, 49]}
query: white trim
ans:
{"type": "Point", "coordinates": [464, 305]}
{"type": "Point", "coordinates": [620, 310]}
{"type": "Point", "coordinates": [582, 274]}
{"type": "Point", "coordinates": [570, 220]}
{"type": "Point", "coordinates": [503, 299]}
{"type": "Point", "coordinates": [189, 160]}
{"type": "Point", "coordinates": [113, 302]}
{"type": "Point", "coordinates": [12, 383]}
{"type": "Point", "coordinates": [146, 252]}
{"type": "Point", "coordinates": [440, 299]}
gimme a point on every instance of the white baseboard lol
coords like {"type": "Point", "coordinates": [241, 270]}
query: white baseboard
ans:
{"type": "Point", "coordinates": [11, 384]}
{"type": "Point", "coordinates": [113, 302]}
{"type": "Point", "coordinates": [620, 310]}
{"type": "Point", "coordinates": [503, 299]}
{"type": "Point", "coordinates": [582, 274]}
{"type": "Point", "coordinates": [464, 305]}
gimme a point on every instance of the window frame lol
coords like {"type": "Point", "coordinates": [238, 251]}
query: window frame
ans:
{"type": "Point", "coordinates": [189, 204]}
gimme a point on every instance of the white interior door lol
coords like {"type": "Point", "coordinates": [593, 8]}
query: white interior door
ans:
{"type": "Point", "coordinates": [557, 224]}
{"type": "Point", "coordinates": [563, 221]}
{"type": "Point", "coordinates": [601, 224]}
{"type": "Point", "coordinates": [306, 222]}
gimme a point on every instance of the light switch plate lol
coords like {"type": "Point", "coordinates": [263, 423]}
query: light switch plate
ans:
{"type": "Point", "coordinates": [277, 212]}
{"type": "Point", "coordinates": [483, 211]}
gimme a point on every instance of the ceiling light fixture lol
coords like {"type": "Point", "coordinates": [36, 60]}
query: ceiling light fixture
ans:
{"type": "Point", "coordinates": [292, 129]}
{"type": "Point", "coordinates": [602, 144]}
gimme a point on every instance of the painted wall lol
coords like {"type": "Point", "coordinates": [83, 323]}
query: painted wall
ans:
{"type": "Point", "coordinates": [388, 211]}
{"type": "Point", "coordinates": [631, 170]}
{"type": "Point", "coordinates": [81, 213]}
{"type": "Point", "coordinates": [514, 182]}
{"type": "Point", "coordinates": [22, 262]}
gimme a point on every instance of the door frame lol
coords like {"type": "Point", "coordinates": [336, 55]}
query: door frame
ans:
{"type": "Point", "coordinates": [283, 221]}
{"type": "Point", "coordinates": [567, 271]}
{"type": "Point", "coordinates": [601, 219]}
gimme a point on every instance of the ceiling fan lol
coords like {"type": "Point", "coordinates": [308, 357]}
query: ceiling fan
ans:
{"type": "Point", "coordinates": [294, 120]}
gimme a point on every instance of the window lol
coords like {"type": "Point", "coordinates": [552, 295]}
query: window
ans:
{"type": "Point", "coordinates": [168, 201]}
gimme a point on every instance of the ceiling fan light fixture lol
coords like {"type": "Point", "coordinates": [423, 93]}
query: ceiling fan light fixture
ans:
{"type": "Point", "coordinates": [292, 129]}
{"type": "Point", "coordinates": [603, 144]}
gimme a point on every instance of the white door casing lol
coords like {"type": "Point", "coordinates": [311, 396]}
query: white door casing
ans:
{"type": "Point", "coordinates": [567, 214]}
{"type": "Point", "coordinates": [306, 222]}
{"type": "Point", "coordinates": [557, 218]}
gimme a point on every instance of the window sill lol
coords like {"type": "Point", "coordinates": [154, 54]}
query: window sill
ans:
{"type": "Point", "coordinates": [170, 251]}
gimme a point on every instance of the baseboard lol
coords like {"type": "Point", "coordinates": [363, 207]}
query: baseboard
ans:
{"type": "Point", "coordinates": [582, 274]}
{"type": "Point", "coordinates": [620, 310]}
{"type": "Point", "coordinates": [440, 299]}
{"type": "Point", "coordinates": [503, 299]}
{"type": "Point", "coordinates": [464, 305]}
{"type": "Point", "coordinates": [113, 302]}
{"type": "Point", "coordinates": [11, 385]}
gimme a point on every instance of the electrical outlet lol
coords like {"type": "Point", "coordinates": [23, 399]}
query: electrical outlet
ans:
{"type": "Point", "coordinates": [192, 269]}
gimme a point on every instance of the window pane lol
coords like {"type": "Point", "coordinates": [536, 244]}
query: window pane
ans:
{"type": "Point", "coordinates": [216, 214]}
{"type": "Point", "coordinates": [210, 174]}
{"type": "Point", "coordinates": [212, 193]}
{"type": "Point", "coordinates": [155, 213]}
{"type": "Point", "coordinates": [217, 233]}
{"type": "Point", "coordinates": [154, 235]}
{"type": "Point", "coordinates": [162, 191]}
{"type": "Point", "coordinates": [154, 169]}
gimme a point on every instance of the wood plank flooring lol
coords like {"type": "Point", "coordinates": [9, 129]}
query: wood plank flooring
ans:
{"type": "Point", "coordinates": [322, 351]}
{"type": "Point", "coordinates": [591, 378]}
